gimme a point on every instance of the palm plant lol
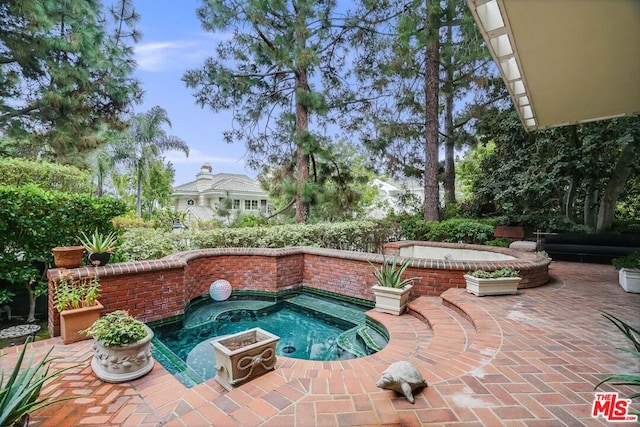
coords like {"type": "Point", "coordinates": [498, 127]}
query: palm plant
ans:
{"type": "Point", "coordinates": [20, 395]}
{"type": "Point", "coordinates": [390, 274]}
{"type": "Point", "coordinates": [143, 144]}
{"type": "Point", "coordinates": [633, 335]}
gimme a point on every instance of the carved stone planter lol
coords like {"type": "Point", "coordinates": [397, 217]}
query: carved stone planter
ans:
{"type": "Point", "coordinates": [244, 356]}
{"type": "Point", "coordinates": [116, 364]}
{"type": "Point", "coordinates": [499, 286]}
{"type": "Point", "coordinates": [391, 300]}
{"type": "Point", "coordinates": [73, 321]}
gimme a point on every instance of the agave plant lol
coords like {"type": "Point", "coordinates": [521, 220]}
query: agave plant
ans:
{"type": "Point", "coordinates": [390, 274]}
{"type": "Point", "coordinates": [634, 336]}
{"type": "Point", "coordinates": [21, 393]}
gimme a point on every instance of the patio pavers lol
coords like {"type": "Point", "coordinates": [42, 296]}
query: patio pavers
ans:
{"type": "Point", "coordinates": [528, 359]}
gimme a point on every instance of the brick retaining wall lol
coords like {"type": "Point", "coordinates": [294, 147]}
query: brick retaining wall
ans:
{"type": "Point", "coordinates": [155, 290]}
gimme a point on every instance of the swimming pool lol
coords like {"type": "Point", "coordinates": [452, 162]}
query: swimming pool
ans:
{"type": "Point", "coordinates": [310, 327]}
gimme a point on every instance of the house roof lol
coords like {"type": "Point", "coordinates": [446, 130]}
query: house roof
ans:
{"type": "Point", "coordinates": [224, 182]}
{"type": "Point", "coordinates": [200, 212]}
{"type": "Point", "coordinates": [565, 61]}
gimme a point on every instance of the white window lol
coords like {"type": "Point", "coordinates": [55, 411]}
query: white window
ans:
{"type": "Point", "coordinates": [236, 204]}
{"type": "Point", "coordinates": [250, 205]}
{"type": "Point", "coordinates": [191, 202]}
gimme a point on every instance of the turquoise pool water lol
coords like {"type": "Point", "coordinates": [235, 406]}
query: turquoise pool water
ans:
{"type": "Point", "coordinates": [310, 327]}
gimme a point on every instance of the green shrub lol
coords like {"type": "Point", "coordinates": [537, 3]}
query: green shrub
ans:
{"type": "Point", "coordinates": [502, 242]}
{"type": "Point", "coordinates": [140, 244]}
{"type": "Point", "coordinates": [496, 274]}
{"type": "Point", "coordinates": [50, 176]}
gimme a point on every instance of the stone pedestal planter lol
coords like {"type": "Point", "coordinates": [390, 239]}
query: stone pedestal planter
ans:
{"type": "Point", "coordinates": [244, 356]}
{"type": "Point", "coordinates": [77, 319]}
{"type": "Point", "coordinates": [629, 279]}
{"type": "Point", "coordinates": [499, 286]}
{"type": "Point", "coordinates": [116, 364]}
{"type": "Point", "coordinates": [391, 300]}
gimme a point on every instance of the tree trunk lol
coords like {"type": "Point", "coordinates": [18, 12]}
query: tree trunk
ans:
{"type": "Point", "coordinates": [139, 191]}
{"type": "Point", "coordinates": [569, 196]}
{"type": "Point", "coordinates": [31, 317]}
{"type": "Point", "coordinates": [614, 187]}
{"type": "Point", "coordinates": [431, 193]}
{"type": "Point", "coordinates": [590, 206]}
{"type": "Point", "coordinates": [449, 145]}
{"type": "Point", "coordinates": [302, 124]}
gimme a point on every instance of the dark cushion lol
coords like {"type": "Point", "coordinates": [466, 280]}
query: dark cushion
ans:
{"type": "Point", "coordinates": [596, 239]}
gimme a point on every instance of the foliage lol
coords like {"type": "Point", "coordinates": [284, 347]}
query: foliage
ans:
{"type": "Point", "coordinates": [70, 293]}
{"type": "Point", "coordinates": [631, 261]}
{"type": "Point", "coordinates": [502, 242]}
{"type": "Point", "coordinates": [66, 72]}
{"type": "Point", "coordinates": [166, 218]}
{"type": "Point", "coordinates": [281, 73]}
{"type": "Point", "coordinates": [6, 296]}
{"type": "Point", "coordinates": [34, 221]}
{"type": "Point", "coordinates": [140, 244]}
{"type": "Point", "coordinates": [496, 274]}
{"type": "Point", "coordinates": [390, 274]}
{"type": "Point", "coordinates": [249, 220]}
{"type": "Point", "coordinates": [633, 334]}
{"type": "Point", "coordinates": [50, 176]}
{"type": "Point", "coordinates": [452, 230]}
{"type": "Point", "coordinates": [140, 150]}
{"type": "Point", "coordinates": [130, 220]}
{"type": "Point", "coordinates": [573, 172]}
{"type": "Point", "coordinates": [116, 329]}
{"type": "Point", "coordinates": [365, 236]}
{"type": "Point", "coordinates": [20, 395]}
{"type": "Point", "coordinates": [98, 242]}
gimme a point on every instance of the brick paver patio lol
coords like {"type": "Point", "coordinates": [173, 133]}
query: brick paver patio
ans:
{"type": "Point", "coordinates": [530, 359]}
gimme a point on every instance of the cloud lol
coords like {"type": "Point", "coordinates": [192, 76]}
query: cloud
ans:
{"type": "Point", "coordinates": [155, 56]}
{"type": "Point", "coordinates": [162, 55]}
{"type": "Point", "coordinates": [198, 157]}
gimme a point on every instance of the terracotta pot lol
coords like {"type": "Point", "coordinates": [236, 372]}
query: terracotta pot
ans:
{"type": "Point", "coordinates": [73, 321]}
{"type": "Point", "coordinates": [68, 256]}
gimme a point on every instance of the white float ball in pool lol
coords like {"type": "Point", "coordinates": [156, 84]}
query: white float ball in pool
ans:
{"type": "Point", "coordinates": [220, 290]}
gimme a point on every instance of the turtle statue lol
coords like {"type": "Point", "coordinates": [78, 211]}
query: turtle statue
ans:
{"type": "Point", "coordinates": [402, 377]}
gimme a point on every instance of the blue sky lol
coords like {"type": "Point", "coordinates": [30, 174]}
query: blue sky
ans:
{"type": "Point", "coordinates": [173, 41]}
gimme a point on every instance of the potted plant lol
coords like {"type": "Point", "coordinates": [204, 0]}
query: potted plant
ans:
{"type": "Point", "coordinates": [629, 271]}
{"type": "Point", "coordinates": [78, 305]}
{"type": "Point", "coordinates": [121, 347]}
{"type": "Point", "coordinates": [68, 256]}
{"type": "Point", "coordinates": [503, 281]}
{"type": "Point", "coordinates": [244, 356]}
{"type": "Point", "coordinates": [20, 395]}
{"type": "Point", "coordinates": [99, 246]}
{"type": "Point", "coordinates": [392, 291]}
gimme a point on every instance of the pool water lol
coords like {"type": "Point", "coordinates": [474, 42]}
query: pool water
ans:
{"type": "Point", "coordinates": [310, 327]}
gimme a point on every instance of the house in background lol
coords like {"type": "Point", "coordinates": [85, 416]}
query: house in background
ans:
{"type": "Point", "coordinates": [402, 195]}
{"type": "Point", "coordinates": [201, 198]}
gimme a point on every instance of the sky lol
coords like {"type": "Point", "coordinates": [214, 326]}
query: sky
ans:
{"type": "Point", "coordinates": [173, 42]}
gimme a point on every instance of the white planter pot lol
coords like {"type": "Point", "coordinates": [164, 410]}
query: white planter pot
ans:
{"type": "Point", "coordinates": [116, 364]}
{"type": "Point", "coordinates": [500, 286]}
{"type": "Point", "coordinates": [629, 279]}
{"type": "Point", "coordinates": [391, 300]}
{"type": "Point", "coordinates": [244, 356]}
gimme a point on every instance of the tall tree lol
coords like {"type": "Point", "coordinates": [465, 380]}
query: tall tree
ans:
{"type": "Point", "coordinates": [65, 70]}
{"type": "Point", "coordinates": [280, 73]}
{"type": "Point", "coordinates": [142, 145]}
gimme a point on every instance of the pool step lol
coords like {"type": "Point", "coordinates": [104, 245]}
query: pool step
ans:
{"type": "Point", "coordinates": [349, 314]}
{"type": "Point", "coordinates": [372, 338]}
{"type": "Point", "coordinates": [361, 341]}
{"type": "Point", "coordinates": [348, 341]}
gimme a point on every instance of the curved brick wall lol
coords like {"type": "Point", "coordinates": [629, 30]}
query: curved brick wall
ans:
{"type": "Point", "coordinates": [160, 289]}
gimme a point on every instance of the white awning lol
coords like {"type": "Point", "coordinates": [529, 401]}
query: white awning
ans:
{"type": "Point", "coordinates": [565, 61]}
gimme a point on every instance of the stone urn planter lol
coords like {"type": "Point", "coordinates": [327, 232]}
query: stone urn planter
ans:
{"type": "Point", "coordinates": [75, 320]}
{"type": "Point", "coordinates": [392, 300]}
{"type": "Point", "coordinates": [244, 356]}
{"type": "Point", "coordinates": [504, 281]}
{"type": "Point", "coordinates": [121, 348]}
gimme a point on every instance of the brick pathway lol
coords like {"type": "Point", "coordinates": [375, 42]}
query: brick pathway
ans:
{"type": "Point", "coordinates": [526, 360]}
